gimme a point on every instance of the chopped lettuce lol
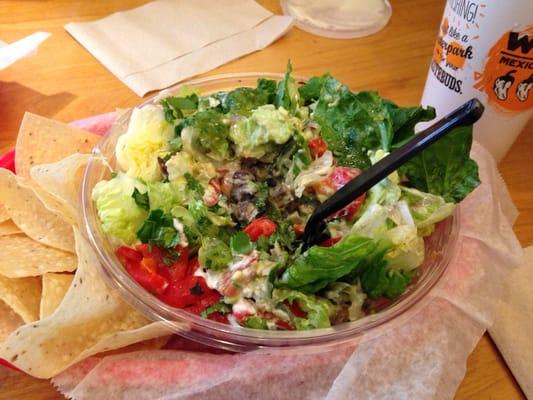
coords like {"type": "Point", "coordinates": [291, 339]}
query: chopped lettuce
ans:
{"type": "Point", "coordinates": [179, 107]}
{"type": "Point", "coordinates": [427, 209]}
{"type": "Point", "coordinates": [219, 307]}
{"type": "Point", "coordinates": [243, 100]}
{"type": "Point", "coordinates": [166, 195]}
{"type": "Point", "coordinates": [145, 140]}
{"type": "Point", "coordinates": [158, 229]}
{"type": "Point", "coordinates": [183, 163]}
{"type": "Point", "coordinates": [267, 125]}
{"type": "Point", "coordinates": [347, 295]}
{"type": "Point", "coordinates": [208, 134]}
{"type": "Point", "coordinates": [240, 243]}
{"type": "Point", "coordinates": [141, 199]}
{"type": "Point", "coordinates": [255, 322]}
{"type": "Point", "coordinates": [119, 213]}
{"type": "Point", "coordinates": [393, 224]}
{"type": "Point", "coordinates": [318, 309]}
{"type": "Point", "coordinates": [214, 254]}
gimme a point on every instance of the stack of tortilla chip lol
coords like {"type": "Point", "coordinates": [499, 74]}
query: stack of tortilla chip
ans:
{"type": "Point", "coordinates": [55, 309]}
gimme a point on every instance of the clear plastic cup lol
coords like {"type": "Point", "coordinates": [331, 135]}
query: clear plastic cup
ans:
{"type": "Point", "coordinates": [440, 250]}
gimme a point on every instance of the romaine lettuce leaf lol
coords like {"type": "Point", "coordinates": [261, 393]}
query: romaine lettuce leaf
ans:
{"type": "Point", "coordinates": [144, 142]}
{"type": "Point", "coordinates": [318, 310]}
{"type": "Point", "coordinates": [352, 123]}
{"type": "Point", "coordinates": [310, 92]}
{"type": "Point", "coordinates": [287, 95]}
{"type": "Point", "coordinates": [120, 215]}
{"type": "Point", "coordinates": [404, 120]}
{"type": "Point", "coordinates": [378, 280]}
{"type": "Point", "coordinates": [445, 168]}
{"type": "Point", "coordinates": [319, 266]}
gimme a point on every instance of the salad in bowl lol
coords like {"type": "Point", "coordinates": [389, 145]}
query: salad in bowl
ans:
{"type": "Point", "coordinates": [211, 193]}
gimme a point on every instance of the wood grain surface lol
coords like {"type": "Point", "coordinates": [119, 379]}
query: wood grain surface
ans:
{"type": "Point", "coordinates": [65, 82]}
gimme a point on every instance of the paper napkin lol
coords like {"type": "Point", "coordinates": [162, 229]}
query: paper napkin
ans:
{"type": "Point", "coordinates": [163, 42]}
{"type": "Point", "coordinates": [513, 328]}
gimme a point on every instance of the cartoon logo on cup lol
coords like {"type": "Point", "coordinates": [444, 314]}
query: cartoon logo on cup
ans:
{"type": "Point", "coordinates": [523, 88]}
{"type": "Point", "coordinates": [502, 84]}
{"type": "Point", "coordinates": [507, 75]}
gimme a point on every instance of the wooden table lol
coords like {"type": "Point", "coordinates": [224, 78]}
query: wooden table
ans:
{"type": "Point", "coordinates": [65, 82]}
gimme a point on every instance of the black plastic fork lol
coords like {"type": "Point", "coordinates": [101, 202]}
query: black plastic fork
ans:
{"type": "Point", "coordinates": [466, 114]}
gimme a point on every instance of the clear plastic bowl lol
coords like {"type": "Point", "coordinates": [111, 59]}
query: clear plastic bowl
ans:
{"type": "Point", "coordinates": [440, 249]}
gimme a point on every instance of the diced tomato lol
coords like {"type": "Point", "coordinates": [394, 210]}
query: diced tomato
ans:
{"type": "Point", "coordinates": [174, 284]}
{"type": "Point", "coordinates": [149, 264]}
{"type": "Point", "coordinates": [298, 229]}
{"type": "Point", "coordinates": [218, 317]}
{"type": "Point", "coordinates": [330, 242]}
{"type": "Point", "coordinates": [373, 305]}
{"type": "Point", "coordinates": [284, 325]}
{"type": "Point", "coordinates": [295, 309]}
{"type": "Point", "coordinates": [152, 282]}
{"type": "Point", "coordinates": [317, 147]}
{"type": "Point", "coordinates": [209, 298]}
{"type": "Point", "coordinates": [151, 251]}
{"type": "Point", "coordinates": [191, 292]}
{"type": "Point", "coordinates": [210, 197]}
{"type": "Point", "coordinates": [193, 265]}
{"type": "Point", "coordinates": [126, 253]}
{"type": "Point", "coordinates": [339, 177]}
{"type": "Point", "coordinates": [180, 268]}
{"type": "Point", "coordinates": [260, 227]}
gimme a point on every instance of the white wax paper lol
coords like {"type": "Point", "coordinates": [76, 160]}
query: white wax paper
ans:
{"type": "Point", "coordinates": [420, 356]}
{"type": "Point", "coordinates": [512, 330]}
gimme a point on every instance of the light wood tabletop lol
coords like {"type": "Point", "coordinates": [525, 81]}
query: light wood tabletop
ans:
{"type": "Point", "coordinates": [65, 82]}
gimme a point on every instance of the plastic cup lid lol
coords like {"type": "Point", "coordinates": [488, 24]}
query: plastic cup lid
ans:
{"type": "Point", "coordinates": [340, 19]}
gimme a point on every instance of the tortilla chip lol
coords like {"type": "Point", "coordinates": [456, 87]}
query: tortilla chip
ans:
{"type": "Point", "coordinates": [9, 228]}
{"type": "Point", "coordinates": [4, 216]}
{"type": "Point", "coordinates": [41, 140]}
{"type": "Point", "coordinates": [23, 256]}
{"type": "Point", "coordinates": [23, 295]}
{"type": "Point", "coordinates": [31, 216]}
{"type": "Point", "coordinates": [91, 318]}
{"type": "Point", "coordinates": [9, 321]}
{"type": "Point", "coordinates": [55, 286]}
{"type": "Point", "coordinates": [62, 183]}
